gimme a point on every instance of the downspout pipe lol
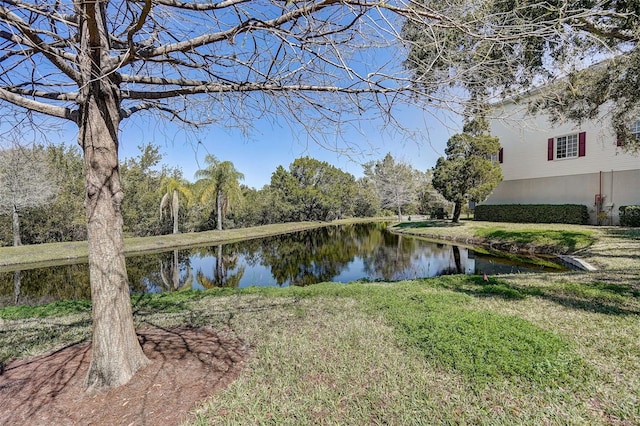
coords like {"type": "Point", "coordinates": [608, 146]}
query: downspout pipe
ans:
{"type": "Point", "coordinates": [600, 190]}
{"type": "Point", "coordinates": [599, 198]}
{"type": "Point", "coordinates": [611, 201]}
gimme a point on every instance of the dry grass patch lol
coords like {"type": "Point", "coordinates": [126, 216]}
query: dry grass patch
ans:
{"type": "Point", "coordinates": [35, 336]}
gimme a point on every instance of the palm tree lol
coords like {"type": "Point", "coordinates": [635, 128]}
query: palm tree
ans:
{"type": "Point", "coordinates": [174, 188]}
{"type": "Point", "coordinates": [220, 182]}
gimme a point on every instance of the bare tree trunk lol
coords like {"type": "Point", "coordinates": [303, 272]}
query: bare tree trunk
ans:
{"type": "Point", "coordinates": [16, 227]}
{"type": "Point", "coordinates": [116, 352]}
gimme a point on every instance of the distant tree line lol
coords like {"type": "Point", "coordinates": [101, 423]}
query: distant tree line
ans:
{"type": "Point", "coordinates": [159, 200]}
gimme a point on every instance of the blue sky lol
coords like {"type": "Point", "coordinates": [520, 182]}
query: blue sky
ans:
{"type": "Point", "coordinates": [272, 142]}
{"type": "Point", "coordinates": [257, 152]}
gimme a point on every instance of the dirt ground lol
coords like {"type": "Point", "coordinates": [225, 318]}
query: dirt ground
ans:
{"type": "Point", "coordinates": [189, 364]}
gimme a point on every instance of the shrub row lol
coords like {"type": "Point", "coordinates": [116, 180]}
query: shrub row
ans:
{"type": "Point", "coordinates": [533, 213]}
{"type": "Point", "coordinates": [629, 215]}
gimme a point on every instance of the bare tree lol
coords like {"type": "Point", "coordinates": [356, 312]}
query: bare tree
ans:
{"type": "Point", "coordinates": [25, 182]}
{"type": "Point", "coordinates": [396, 183]}
{"type": "Point", "coordinates": [320, 63]}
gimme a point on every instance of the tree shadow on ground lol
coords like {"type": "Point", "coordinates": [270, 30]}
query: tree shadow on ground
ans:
{"type": "Point", "coordinates": [568, 239]}
{"type": "Point", "coordinates": [427, 224]}
{"type": "Point", "coordinates": [41, 333]}
{"type": "Point", "coordinates": [625, 233]}
{"type": "Point", "coordinates": [189, 364]}
{"type": "Point", "coordinates": [598, 296]}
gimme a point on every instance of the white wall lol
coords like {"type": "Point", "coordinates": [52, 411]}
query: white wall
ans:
{"type": "Point", "coordinates": [524, 141]}
{"type": "Point", "coordinates": [529, 178]}
{"type": "Point", "coordinates": [620, 188]}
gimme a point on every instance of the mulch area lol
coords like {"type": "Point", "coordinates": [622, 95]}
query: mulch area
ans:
{"type": "Point", "coordinates": [188, 366]}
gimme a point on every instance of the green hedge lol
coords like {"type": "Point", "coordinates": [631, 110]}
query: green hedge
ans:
{"type": "Point", "coordinates": [629, 215]}
{"type": "Point", "coordinates": [533, 213]}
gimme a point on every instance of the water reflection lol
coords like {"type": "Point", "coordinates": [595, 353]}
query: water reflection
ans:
{"type": "Point", "coordinates": [16, 287]}
{"type": "Point", "coordinates": [226, 272]}
{"type": "Point", "coordinates": [170, 272]}
{"type": "Point", "coordinates": [334, 253]}
{"type": "Point", "coordinates": [44, 285]}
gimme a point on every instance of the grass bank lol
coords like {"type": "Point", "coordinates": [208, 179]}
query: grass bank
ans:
{"type": "Point", "coordinates": [606, 247]}
{"type": "Point", "coordinates": [531, 238]}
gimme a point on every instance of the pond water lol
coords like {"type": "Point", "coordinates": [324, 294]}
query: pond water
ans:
{"type": "Point", "coordinates": [341, 253]}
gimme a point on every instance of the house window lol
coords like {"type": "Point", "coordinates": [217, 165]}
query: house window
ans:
{"type": "Point", "coordinates": [567, 146]}
{"type": "Point", "coordinates": [570, 146]}
{"type": "Point", "coordinates": [498, 157]}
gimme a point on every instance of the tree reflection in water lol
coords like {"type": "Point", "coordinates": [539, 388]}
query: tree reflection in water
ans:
{"type": "Point", "coordinates": [221, 276]}
{"type": "Point", "coordinates": [333, 253]}
{"type": "Point", "coordinates": [44, 285]}
{"type": "Point", "coordinates": [16, 287]}
{"type": "Point", "coordinates": [309, 257]}
{"type": "Point", "coordinates": [170, 274]}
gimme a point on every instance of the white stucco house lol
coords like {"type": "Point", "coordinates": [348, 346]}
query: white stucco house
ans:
{"type": "Point", "coordinates": [565, 163]}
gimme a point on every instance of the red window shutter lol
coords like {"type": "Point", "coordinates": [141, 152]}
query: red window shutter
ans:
{"type": "Point", "coordinates": [620, 140]}
{"type": "Point", "coordinates": [550, 149]}
{"type": "Point", "coordinates": [582, 144]}
{"type": "Point", "coordinates": [501, 155]}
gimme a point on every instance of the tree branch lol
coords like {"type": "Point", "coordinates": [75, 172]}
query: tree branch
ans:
{"type": "Point", "coordinates": [45, 11]}
{"type": "Point", "coordinates": [128, 112]}
{"type": "Point", "coordinates": [51, 110]}
{"type": "Point", "coordinates": [200, 6]}
{"type": "Point", "coordinates": [134, 29]}
{"type": "Point", "coordinates": [14, 38]}
{"type": "Point", "coordinates": [34, 41]}
{"type": "Point", "coordinates": [607, 31]}
{"type": "Point", "coordinates": [161, 81]}
{"type": "Point", "coordinates": [57, 96]}
{"type": "Point", "coordinates": [243, 27]}
{"type": "Point", "coordinates": [257, 87]}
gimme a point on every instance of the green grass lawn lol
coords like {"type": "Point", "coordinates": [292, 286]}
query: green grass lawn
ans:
{"type": "Point", "coordinates": [567, 240]}
{"type": "Point", "coordinates": [608, 248]}
{"type": "Point", "coordinates": [535, 237]}
{"type": "Point", "coordinates": [534, 349]}
{"type": "Point", "coordinates": [530, 349]}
